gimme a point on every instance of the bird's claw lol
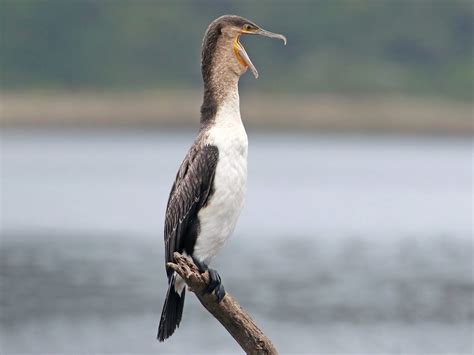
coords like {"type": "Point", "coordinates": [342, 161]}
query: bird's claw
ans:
{"type": "Point", "coordinates": [220, 293]}
{"type": "Point", "coordinates": [215, 285]}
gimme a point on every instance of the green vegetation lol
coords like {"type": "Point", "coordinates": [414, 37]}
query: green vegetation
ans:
{"type": "Point", "coordinates": [421, 47]}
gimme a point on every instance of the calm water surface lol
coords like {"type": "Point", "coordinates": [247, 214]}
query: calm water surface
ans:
{"type": "Point", "coordinates": [347, 244]}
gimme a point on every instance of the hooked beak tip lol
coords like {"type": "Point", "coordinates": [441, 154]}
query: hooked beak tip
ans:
{"type": "Point", "coordinates": [265, 33]}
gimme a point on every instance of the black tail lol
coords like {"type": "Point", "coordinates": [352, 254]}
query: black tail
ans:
{"type": "Point", "coordinates": [172, 312]}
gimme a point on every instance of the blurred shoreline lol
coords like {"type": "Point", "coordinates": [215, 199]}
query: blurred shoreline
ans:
{"type": "Point", "coordinates": [365, 113]}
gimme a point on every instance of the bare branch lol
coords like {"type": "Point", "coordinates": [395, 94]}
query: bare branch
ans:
{"type": "Point", "coordinates": [228, 312]}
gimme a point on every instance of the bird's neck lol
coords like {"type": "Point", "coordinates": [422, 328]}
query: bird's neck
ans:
{"type": "Point", "coordinates": [221, 91]}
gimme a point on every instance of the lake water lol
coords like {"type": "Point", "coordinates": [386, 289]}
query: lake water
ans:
{"type": "Point", "coordinates": [347, 244]}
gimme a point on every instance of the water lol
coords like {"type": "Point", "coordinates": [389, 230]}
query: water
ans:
{"type": "Point", "coordinates": [347, 244]}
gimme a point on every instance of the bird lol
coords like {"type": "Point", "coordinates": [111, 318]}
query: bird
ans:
{"type": "Point", "coordinates": [209, 190]}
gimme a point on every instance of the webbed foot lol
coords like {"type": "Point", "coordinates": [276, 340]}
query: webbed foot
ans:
{"type": "Point", "coordinates": [215, 283]}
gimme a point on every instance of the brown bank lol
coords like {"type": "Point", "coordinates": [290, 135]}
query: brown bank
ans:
{"type": "Point", "coordinates": [282, 111]}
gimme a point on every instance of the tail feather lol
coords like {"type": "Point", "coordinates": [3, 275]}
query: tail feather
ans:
{"type": "Point", "coordinates": [172, 311]}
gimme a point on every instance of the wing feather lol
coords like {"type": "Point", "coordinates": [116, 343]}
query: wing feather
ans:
{"type": "Point", "coordinates": [191, 191]}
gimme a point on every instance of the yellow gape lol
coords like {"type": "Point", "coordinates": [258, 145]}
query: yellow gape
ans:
{"type": "Point", "coordinates": [237, 54]}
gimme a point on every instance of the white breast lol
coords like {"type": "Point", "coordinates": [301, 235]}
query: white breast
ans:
{"type": "Point", "coordinates": [219, 217]}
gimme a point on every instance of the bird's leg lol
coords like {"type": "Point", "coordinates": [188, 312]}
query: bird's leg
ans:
{"type": "Point", "coordinates": [215, 282]}
{"type": "Point", "coordinates": [202, 267]}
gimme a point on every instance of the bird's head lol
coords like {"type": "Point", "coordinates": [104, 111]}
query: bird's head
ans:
{"type": "Point", "coordinates": [222, 50]}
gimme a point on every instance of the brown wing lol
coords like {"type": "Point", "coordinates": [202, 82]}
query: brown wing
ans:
{"type": "Point", "coordinates": [190, 192]}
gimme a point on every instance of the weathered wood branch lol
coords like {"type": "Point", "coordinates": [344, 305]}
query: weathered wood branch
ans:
{"type": "Point", "coordinates": [228, 312]}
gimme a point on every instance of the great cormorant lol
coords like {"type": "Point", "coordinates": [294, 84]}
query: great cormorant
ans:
{"type": "Point", "coordinates": [209, 190]}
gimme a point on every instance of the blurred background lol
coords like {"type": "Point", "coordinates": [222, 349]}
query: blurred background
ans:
{"type": "Point", "coordinates": [356, 236]}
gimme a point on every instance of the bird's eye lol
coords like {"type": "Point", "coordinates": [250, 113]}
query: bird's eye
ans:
{"type": "Point", "coordinates": [247, 27]}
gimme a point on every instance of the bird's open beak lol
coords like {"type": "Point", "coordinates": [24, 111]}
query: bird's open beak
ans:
{"type": "Point", "coordinates": [262, 32]}
{"type": "Point", "coordinates": [242, 54]}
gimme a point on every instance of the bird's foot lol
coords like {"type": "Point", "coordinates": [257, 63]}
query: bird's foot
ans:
{"type": "Point", "coordinates": [215, 283]}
